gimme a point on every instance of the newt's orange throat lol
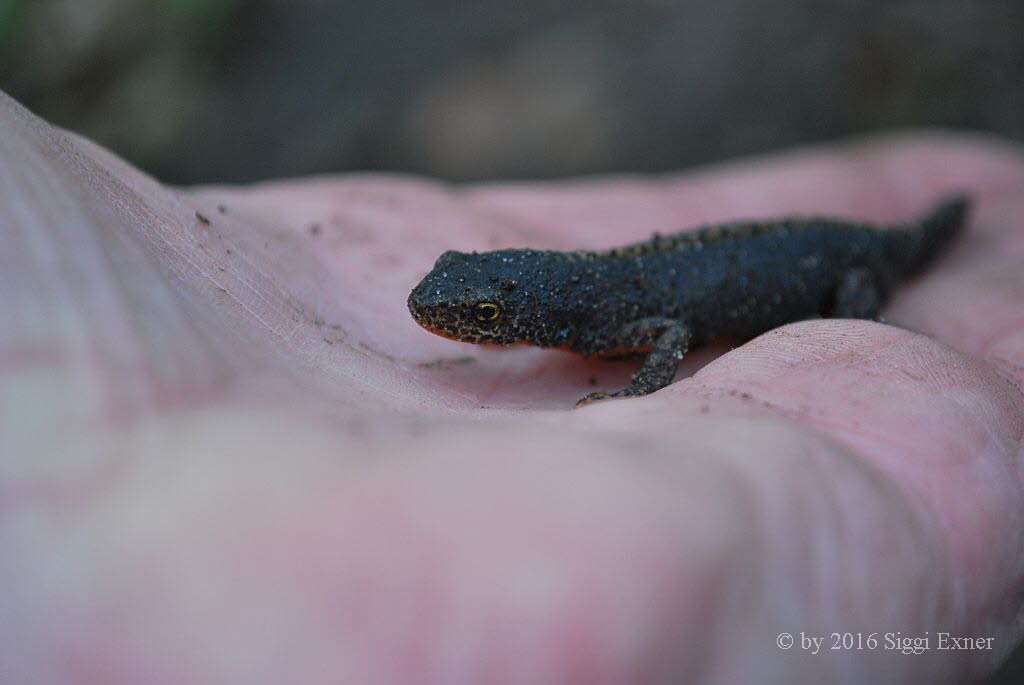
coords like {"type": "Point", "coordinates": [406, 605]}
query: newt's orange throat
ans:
{"type": "Point", "coordinates": [661, 296]}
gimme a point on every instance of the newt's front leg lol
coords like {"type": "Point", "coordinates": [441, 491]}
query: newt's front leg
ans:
{"type": "Point", "coordinates": [667, 340]}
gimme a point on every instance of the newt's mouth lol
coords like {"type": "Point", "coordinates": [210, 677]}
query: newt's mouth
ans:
{"type": "Point", "coordinates": [470, 337]}
{"type": "Point", "coordinates": [436, 330]}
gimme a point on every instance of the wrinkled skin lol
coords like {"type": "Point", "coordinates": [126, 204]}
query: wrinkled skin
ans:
{"type": "Point", "coordinates": [230, 455]}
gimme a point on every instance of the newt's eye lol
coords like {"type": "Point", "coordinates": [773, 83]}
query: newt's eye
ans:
{"type": "Point", "coordinates": [487, 311]}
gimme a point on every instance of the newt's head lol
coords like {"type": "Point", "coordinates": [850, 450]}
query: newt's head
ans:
{"type": "Point", "coordinates": [502, 297]}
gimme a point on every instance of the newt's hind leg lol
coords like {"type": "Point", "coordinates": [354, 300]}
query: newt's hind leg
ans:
{"type": "Point", "coordinates": [667, 339]}
{"type": "Point", "coordinates": [860, 295]}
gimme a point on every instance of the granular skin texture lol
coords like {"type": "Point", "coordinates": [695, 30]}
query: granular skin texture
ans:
{"type": "Point", "coordinates": [662, 296]}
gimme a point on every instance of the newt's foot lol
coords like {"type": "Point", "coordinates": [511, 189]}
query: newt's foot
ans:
{"type": "Point", "coordinates": [598, 396]}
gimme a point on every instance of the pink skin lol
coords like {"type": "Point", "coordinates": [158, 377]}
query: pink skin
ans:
{"type": "Point", "coordinates": [230, 455]}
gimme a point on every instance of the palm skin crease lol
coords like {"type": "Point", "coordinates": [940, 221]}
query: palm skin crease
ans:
{"type": "Point", "coordinates": [230, 456]}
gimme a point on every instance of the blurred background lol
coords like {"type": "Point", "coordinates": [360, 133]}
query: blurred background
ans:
{"type": "Point", "coordinates": [239, 90]}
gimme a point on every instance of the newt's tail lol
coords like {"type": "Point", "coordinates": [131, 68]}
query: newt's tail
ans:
{"type": "Point", "coordinates": [919, 243]}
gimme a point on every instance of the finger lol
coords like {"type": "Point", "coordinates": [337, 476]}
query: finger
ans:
{"type": "Point", "coordinates": [883, 179]}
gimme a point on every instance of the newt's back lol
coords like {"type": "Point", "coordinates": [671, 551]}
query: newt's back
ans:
{"type": "Point", "coordinates": [741, 279]}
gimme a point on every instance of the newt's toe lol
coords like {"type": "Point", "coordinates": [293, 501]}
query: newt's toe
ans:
{"type": "Point", "coordinates": [598, 396]}
{"type": "Point", "coordinates": [591, 398]}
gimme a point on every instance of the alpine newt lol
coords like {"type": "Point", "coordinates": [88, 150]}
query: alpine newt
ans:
{"type": "Point", "coordinates": [660, 297]}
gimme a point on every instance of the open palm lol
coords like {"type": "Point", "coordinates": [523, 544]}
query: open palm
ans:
{"type": "Point", "coordinates": [229, 454]}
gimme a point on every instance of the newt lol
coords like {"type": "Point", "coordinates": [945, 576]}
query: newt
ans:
{"type": "Point", "coordinates": [663, 296]}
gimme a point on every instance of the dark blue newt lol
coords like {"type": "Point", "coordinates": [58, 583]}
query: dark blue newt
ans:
{"type": "Point", "coordinates": [658, 298]}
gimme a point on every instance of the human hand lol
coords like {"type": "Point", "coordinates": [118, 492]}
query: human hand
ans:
{"type": "Point", "coordinates": [230, 455]}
